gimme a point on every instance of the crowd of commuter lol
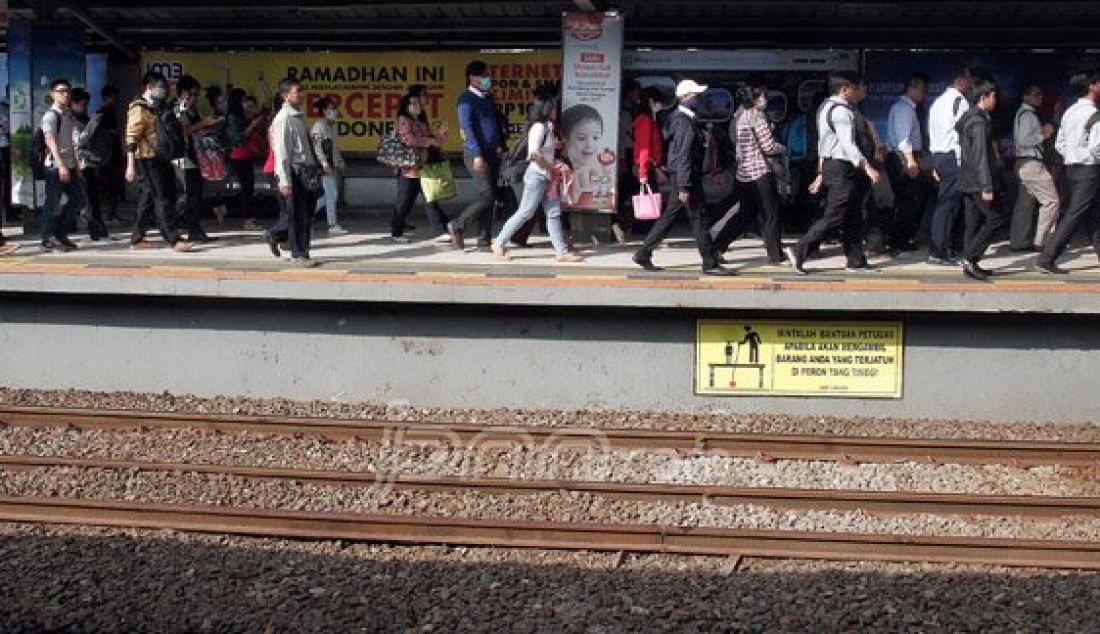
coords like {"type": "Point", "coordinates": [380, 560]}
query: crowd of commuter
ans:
{"type": "Point", "coordinates": [929, 169]}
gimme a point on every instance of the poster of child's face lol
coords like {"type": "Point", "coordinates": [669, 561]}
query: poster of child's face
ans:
{"type": "Point", "coordinates": [592, 157]}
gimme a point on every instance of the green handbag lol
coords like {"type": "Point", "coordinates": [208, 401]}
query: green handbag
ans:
{"type": "Point", "coordinates": [437, 182]}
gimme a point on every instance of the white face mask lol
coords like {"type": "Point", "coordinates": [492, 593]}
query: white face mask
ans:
{"type": "Point", "coordinates": [332, 115]}
{"type": "Point", "coordinates": [762, 102]}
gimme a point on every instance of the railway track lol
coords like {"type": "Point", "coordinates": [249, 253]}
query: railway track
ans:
{"type": "Point", "coordinates": [614, 537]}
{"type": "Point", "coordinates": [610, 537]}
{"type": "Point", "coordinates": [759, 446]}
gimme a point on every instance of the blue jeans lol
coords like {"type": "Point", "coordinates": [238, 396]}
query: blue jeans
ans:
{"type": "Point", "coordinates": [54, 215]}
{"type": "Point", "coordinates": [947, 205]}
{"type": "Point", "coordinates": [534, 192]}
{"type": "Point", "coordinates": [331, 197]}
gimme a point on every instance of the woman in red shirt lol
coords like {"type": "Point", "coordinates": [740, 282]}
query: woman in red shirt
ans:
{"type": "Point", "coordinates": [648, 139]}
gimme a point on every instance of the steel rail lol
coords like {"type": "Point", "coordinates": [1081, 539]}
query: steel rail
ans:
{"type": "Point", "coordinates": [883, 502]}
{"type": "Point", "coordinates": [549, 535]}
{"type": "Point", "coordinates": [760, 446]}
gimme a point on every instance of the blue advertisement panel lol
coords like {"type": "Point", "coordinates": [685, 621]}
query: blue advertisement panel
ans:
{"type": "Point", "coordinates": [22, 123]}
{"type": "Point", "coordinates": [887, 71]}
{"type": "Point", "coordinates": [95, 74]}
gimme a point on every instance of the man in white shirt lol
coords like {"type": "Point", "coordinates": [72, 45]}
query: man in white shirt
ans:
{"type": "Point", "coordinates": [911, 182]}
{"type": "Point", "coordinates": [1078, 142]}
{"type": "Point", "coordinates": [298, 174]}
{"type": "Point", "coordinates": [1029, 135]}
{"type": "Point", "coordinates": [841, 159]}
{"type": "Point", "coordinates": [944, 145]}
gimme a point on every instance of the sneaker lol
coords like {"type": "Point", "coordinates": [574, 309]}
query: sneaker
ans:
{"type": "Point", "coordinates": [303, 263]}
{"type": "Point", "coordinates": [336, 230]}
{"type": "Point", "coordinates": [400, 239]}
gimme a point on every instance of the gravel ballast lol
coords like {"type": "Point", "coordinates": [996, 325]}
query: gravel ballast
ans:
{"type": "Point", "coordinates": [556, 506]}
{"type": "Point", "coordinates": [543, 463]}
{"type": "Point", "coordinates": [711, 420]}
{"type": "Point", "coordinates": [91, 579]}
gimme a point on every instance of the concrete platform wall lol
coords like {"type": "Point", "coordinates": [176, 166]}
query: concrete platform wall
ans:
{"type": "Point", "coordinates": [985, 367]}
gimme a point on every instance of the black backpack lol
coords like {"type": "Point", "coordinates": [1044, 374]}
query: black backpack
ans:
{"type": "Point", "coordinates": [95, 145]}
{"type": "Point", "coordinates": [861, 129]}
{"type": "Point", "coordinates": [39, 151]}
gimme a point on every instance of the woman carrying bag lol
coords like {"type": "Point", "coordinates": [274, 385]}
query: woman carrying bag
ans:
{"type": "Point", "coordinates": [326, 147]}
{"type": "Point", "coordinates": [761, 162]}
{"type": "Point", "coordinates": [648, 157]}
{"type": "Point", "coordinates": [542, 183]}
{"type": "Point", "coordinates": [414, 132]}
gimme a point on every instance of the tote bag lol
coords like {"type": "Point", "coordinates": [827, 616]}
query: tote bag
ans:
{"type": "Point", "coordinates": [437, 182]}
{"type": "Point", "coordinates": [647, 204]}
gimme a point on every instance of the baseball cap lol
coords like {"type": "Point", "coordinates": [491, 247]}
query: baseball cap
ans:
{"type": "Point", "coordinates": [689, 87]}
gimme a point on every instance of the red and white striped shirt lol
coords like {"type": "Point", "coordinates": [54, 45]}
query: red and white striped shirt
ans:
{"type": "Point", "coordinates": [750, 153]}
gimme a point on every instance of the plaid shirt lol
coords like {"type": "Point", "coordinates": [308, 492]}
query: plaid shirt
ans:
{"type": "Point", "coordinates": [751, 164]}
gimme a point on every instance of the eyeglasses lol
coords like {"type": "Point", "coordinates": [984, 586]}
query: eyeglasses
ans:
{"type": "Point", "coordinates": [61, 91]}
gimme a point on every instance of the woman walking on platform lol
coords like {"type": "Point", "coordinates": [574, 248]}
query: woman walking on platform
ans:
{"type": "Point", "coordinates": [414, 132]}
{"type": "Point", "coordinates": [542, 183]}
{"type": "Point", "coordinates": [326, 147]}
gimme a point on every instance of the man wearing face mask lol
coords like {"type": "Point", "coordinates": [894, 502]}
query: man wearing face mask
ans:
{"type": "Point", "coordinates": [153, 140]}
{"type": "Point", "coordinates": [188, 175]}
{"type": "Point", "coordinates": [685, 161]}
{"type": "Point", "coordinates": [477, 116]}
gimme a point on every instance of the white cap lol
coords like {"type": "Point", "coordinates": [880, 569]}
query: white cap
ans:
{"type": "Point", "coordinates": [689, 87]}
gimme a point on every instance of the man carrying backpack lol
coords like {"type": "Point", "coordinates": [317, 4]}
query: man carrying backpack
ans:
{"type": "Point", "coordinates": [154, 139]}
{"type": "Point", "coordinates": [60, 169]}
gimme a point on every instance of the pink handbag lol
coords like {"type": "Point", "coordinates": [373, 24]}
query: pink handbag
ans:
{"type": "Point", "coordinates": [647, 205]}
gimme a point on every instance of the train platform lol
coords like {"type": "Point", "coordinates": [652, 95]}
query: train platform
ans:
{"type": "Point", "coordinates": [367, 266]}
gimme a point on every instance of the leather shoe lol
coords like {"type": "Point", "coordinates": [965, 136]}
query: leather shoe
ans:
{"type": "Point", "coordinates": [646, 263]}
{"type": "Point", "coordinates": [719, 271]}
{"type": "Point", "coordinates": [983, 270]}
{"type": "Point", "coordinates": [1050, 269]}
{"type": "Point", "coordinates": [67, 244]}
{"type": "Point", "coordinates": [973, 271]}
{"type": "Point", "coordinates": [792, 256]}
{"type": "Point", "coordinates": [272, 243]}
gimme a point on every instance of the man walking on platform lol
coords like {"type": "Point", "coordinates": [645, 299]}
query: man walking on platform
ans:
{"type": "Point", "coordinates": [483, 140]}
{"type": "Point", "coordinates": [1036, 182]}
{"type": "Point", "coordinates": [978, 178]}
{"type": "Point", "coordinates": [909, 180]}
{"type": "Point", "coordinates": [685, 162]}
{"type": "Point", "coordinates": [188, 176]}
{"type": "Point", "coordinates": [62, 177]}
{"type": "Point", "coordinates": [944, 141]}
{"type": "Point", "coordinates": [153, 140]}
{"type": "Point", "coordinates": [1078, 141]}
{"type": "Point", "coordinates": [840, 161]}
{"type": "Point", "coordinates": [298, 174]}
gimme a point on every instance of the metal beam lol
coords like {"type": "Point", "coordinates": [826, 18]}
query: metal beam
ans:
{"type": "Point", "coordinates": [99, 29]}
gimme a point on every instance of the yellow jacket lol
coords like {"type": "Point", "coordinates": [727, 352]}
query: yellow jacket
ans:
{"type": "Point", "coordinates": [141, 130]}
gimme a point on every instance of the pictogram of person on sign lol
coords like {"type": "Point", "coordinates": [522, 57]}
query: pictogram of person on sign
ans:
{"type": "Point", "coordinates": [752, 338]}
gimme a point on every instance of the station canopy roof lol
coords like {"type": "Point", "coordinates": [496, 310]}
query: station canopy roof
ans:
{"type": "Point", "coordinates": [129, 25]}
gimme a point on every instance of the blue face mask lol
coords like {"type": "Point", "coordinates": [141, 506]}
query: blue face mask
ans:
{"type": "Point", "coordinates": [486, 84]}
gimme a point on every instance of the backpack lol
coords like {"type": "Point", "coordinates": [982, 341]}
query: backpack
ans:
{"type": "Point", "coordinates": [171, 144]}
{"type": "Point", "coordinates": [210, 158]}
{"type": "Point", "coordinates": [861, 128]}
{"type": "Point", "coordinates": [516, 159]}
{"type": "Point", "coordinates": [95, 144]}
{"type": "Point", "coordinates": [796, 137]}
{"type": "Point", "coordinates": [39, 151]}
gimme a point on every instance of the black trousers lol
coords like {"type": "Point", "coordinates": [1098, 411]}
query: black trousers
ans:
{"type": "Point", "coordinates": [5, 186]}
{"type": "Point", "coordinates": [981, 223]}
{"type": "Point", "coordinates": [910, 198]}
{"type": "Point", "coordinates": [760, 200]}
{"type": "Point", "coordinates": [674, 209]}
{"type": "Point", "coordinates": [842, 213]}
{"type": "Point", "coordinates": [1081, 181]}
{"type": "Point", "coordinates": [628, 187]}
{"type": "Point", "coordinates": [481, 209]}
{"type": "Point", "coordinates": [408, 189]}
{"type": "Point", "coordinates": [295, 225]}
{"type": "Point", "coordinates": [189, 205]}
{"type": "Point", "coordinates": [94, 212]}
{"type": "Point", "coordinates": [159, 194]}
{"type": "Point", "coordinates": [244, 170]}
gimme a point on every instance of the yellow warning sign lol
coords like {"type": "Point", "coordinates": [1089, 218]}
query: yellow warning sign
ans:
{"type": "Point", "coordinates": [792, 358]}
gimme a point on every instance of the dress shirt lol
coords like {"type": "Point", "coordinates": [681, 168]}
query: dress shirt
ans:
{"type": "Point", "coordinates": [945, 113]}
{"type": "Point", "coordinates": [1076, 144]}
{"type": "Point", "coordinates": [291, 143]}
{"type": "Point", "coordinates": [904, 133]}
{"type": "Point", "coordinates": [836, 131]}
